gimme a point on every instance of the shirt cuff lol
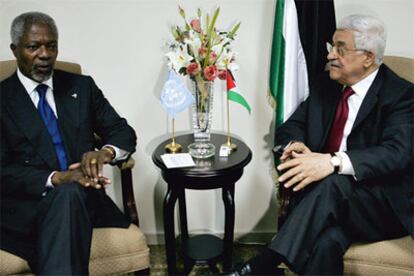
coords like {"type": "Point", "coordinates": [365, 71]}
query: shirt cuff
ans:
{"type": "Point", "coordinates": [120, 154]}
{"type": "Point", "coordinates": [49, 180]}
{"type": "Point", "coordinates": [347, 167]}
{"type": "Point", "coordinates": [49, 184]}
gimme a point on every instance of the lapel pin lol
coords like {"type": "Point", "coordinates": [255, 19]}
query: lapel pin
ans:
{"type": "Point", "coordinates": [74, 95]}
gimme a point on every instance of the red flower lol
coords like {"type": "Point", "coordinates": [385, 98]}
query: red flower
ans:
{"type": "Point", "coordinates": [210, 72]}
{"type": "Point", "coordinates": [222, 74]}
{"type": "Point", "coordinates": [195, 25]}
{"type": "Point", "coordinates": [192, 69]}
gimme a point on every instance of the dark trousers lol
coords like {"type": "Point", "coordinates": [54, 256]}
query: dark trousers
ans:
{"type": "Point", "coordinates": [330, 216]}
{"type": "Point", "coordinates": [64, 232]}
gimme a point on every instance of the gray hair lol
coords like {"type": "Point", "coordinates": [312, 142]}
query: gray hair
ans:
{"type": "Point", "coordinates": [369, 33]}
{"type": "Point", "coordinates": [22, 22]}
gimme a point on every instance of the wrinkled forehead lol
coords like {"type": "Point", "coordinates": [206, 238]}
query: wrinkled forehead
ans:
{"type": "Point", "coordinates": [343, 38]}
{"type": "Point", "coordinates": [39, 30]}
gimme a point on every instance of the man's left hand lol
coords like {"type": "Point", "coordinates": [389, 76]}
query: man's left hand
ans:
{"type": "Point", "coordinates": [305, 168]}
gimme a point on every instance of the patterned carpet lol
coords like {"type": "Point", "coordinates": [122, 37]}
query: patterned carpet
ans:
{"type": "Point", "coordinates": [241, 253]}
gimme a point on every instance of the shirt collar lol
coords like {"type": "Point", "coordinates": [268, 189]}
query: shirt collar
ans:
{"type": "Point", "coordinates": [30, 85]}
{"type": "Point", "coordinates": [361, 88]}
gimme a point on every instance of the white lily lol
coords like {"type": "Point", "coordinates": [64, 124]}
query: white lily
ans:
{"type": "Point", "coordinates": [225, 59]}
{"type": "Point", "coordinates": [195, 44]}
{"type": "Point", "coordinates": [218, 47]}
{"type": "Point", "coordinates": [178, 59]}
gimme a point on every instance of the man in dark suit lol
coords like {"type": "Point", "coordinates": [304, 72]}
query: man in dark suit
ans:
{"type": "Point", "coordinates": [51, 175]}
{"type": "Point", "coordinates": [348, 159]}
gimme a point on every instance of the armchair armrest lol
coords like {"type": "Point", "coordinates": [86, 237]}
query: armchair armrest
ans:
{"type": "Point", "coordinates": [284, 202]}
{"type": "Point", "coordinates": [128, 199]}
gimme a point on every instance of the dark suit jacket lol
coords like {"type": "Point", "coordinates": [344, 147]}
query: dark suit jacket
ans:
{"type": "Point", "coordinates": [28, 155]}
{"type": "Point", "coordinates": [380, 144]}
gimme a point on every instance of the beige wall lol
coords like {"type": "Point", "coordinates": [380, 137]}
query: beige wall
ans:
{"type": "Point", "coordinates": [121, 46]}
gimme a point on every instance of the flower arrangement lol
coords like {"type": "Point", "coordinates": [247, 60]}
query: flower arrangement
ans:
{"type": "Point", "coordinates": [199, 50]}
{"type": "Point", "coordinates": [203, 53]}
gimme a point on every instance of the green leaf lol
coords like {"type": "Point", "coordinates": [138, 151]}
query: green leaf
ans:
{"type": "Point", "coordinates": [183, 71]}
{"type": "Point", "coordinates": [207, 20]}
{"type": "Point", "coordinates": [190, 50]}
{"type": "Point", "coordinates": [213, 21]}
{"type": "Point", "coordinates": [232, 33]}
{"type": "Point", "coordinates": [182, 12]}
{"type": "Point", "coordinates": [175, 33]}
{"type": "Point", "coordinates": [201, 36]}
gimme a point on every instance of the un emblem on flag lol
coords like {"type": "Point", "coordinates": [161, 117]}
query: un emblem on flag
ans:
{"type": "Point", "coordinates": [175, 97]}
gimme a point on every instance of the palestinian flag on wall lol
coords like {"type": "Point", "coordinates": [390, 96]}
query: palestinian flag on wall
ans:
{"type": "Point", "coordinates": [301, 30]}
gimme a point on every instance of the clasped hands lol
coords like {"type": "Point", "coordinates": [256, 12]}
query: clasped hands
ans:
{"type": "Point", "coordinates": [88, 172]}
{"type": "Point", "coordinates": [301, 167]}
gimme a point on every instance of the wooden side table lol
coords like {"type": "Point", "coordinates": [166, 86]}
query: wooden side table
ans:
{"type": "Point", "coordinates": [214, 173]}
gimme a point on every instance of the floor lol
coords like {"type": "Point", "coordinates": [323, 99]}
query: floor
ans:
{"type": "Point", "coordinates": [241, 253]}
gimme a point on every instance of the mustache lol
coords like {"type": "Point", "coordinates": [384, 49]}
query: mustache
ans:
{"type": "Point", "coordinates": [41, 76]}
{"type": "Point", "coordinates": [42, 65]}
{"type": "Point", "coordinates": [333, 63]}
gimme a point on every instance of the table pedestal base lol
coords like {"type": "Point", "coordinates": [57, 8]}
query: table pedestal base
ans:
{"type": "Point", "coordinates": [202, 249]}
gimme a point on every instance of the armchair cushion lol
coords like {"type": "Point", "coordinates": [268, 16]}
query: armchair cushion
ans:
{"type": "Point", "coordinates": [391, 257]}
{"type": "Point", "coordinates": [114, 251]}
{"type": "Point", "coordinates": [11, 264]}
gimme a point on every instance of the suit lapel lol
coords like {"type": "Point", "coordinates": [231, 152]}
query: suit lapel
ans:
{"type": "Point", "coordinates": [330, 103]}
{"type": "Point", "coordinates": [30, 123]}
{"type": "Point", "coordinates": [67, 106]}
{"type": "Point", "coordinates": [370, 99]}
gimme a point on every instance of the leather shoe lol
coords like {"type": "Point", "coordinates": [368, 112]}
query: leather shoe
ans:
{"type": "Point", "coordinates": [240, 270]}
{"type": "Point", "coordinates": [245, 269]}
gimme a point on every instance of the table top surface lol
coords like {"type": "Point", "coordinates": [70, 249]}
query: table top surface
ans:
{"type": "Point", "coordinates": [209, 166]}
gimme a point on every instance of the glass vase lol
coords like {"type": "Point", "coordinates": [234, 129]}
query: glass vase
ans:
{"type": "Point", "coordinates": [202, 119]}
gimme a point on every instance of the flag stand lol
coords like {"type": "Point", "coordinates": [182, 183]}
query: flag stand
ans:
{"type": "Point", "coordinates": [229, 145]}
{"type": "Point", "coordinates": [173, 147]}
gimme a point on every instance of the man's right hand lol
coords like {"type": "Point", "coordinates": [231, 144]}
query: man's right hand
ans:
{"type": "Point", "coordinates": [93, 161]}
{"type": "Point", "coordinates": [75, 174]}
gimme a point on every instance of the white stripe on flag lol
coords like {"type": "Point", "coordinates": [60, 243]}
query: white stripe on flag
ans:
{"type": "Point", "coordinates": [296, 87]}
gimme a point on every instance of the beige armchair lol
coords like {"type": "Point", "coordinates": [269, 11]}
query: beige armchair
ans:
{"type": "Point", "coordinates": [392, 257]}
{"type": "Point", "coordinates": [114, 250]}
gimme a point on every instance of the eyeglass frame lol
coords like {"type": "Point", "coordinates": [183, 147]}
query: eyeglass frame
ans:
{"type": "Point", "coordinates": [334, 48]}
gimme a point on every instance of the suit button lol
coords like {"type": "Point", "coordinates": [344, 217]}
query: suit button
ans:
{"type": "Point", "coordinates": [26, 161]}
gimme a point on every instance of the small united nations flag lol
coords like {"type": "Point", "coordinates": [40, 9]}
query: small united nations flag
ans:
{"type": "Point", "coordinates": [175, 96]}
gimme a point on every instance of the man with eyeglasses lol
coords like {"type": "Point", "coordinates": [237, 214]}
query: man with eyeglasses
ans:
{"type": "Point", "coordinates": [349, 159]}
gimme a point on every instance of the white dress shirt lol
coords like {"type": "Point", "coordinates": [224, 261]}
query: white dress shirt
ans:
{"type": "Point", "coordinates": [30, 86]}
{"type": "Point", "coordinates": [354, 103]}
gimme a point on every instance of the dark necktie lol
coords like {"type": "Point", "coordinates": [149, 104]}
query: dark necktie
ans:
{"type": "Point", "coordinates": [337, 130]}
{"type": "Point", "coordinates": [51, 124]}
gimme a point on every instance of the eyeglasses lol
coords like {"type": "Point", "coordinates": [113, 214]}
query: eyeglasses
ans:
{"type": "Point", "coordinates": [340, 50]}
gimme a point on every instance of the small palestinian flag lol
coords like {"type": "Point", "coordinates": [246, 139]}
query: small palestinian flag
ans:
{"type": "Point", "coordinates": [233, 94]}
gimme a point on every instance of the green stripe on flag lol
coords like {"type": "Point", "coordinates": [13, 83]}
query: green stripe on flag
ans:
{"type": "Point", "coordinates": [277, 63]}
{"type": "Point", "coordinates": [236, 97]}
